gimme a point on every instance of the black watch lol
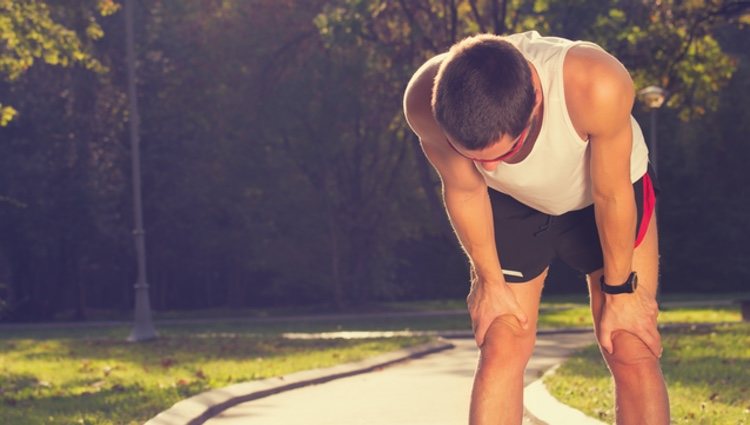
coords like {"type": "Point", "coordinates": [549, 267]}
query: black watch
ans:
{"type": "Point", "coordinates": [626, 288]}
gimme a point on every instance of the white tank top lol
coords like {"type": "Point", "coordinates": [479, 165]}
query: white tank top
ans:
{"type": "Point", "coordinates": [555, 177]}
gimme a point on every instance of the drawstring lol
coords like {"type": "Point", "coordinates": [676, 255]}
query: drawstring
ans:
{"type": "Point", "coordinates": [544, 227]}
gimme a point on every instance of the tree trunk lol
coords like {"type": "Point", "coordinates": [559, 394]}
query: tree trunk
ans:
{"type": "Point", "coordinates": [79, 286]}
{"type": "Point", "coordinates": [498, 15]}
{"type": "Point", "coordinates": [477, 15]}
{"type": "Point", "coordinates": [745, 308]}
{"type": "Point", "coordinates": [235, 290]}
{"type": "Point", "coordinates": [338, 287]}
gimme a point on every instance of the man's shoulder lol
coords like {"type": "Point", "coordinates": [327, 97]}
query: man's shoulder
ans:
{"type": "Point", "coordinates": [588, 67]}
{"type": "Point", "coordinates": [594, 81]}
{"type": "Point", "coordinates": [418, 96]}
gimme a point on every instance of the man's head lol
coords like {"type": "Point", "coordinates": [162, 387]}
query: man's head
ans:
{"type": "Point", "coordinates": [483, 91]}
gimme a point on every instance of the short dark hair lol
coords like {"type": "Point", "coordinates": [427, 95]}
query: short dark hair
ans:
{"type": "Point", "coordinates": [483, 90]}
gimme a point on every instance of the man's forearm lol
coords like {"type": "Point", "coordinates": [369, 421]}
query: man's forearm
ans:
{"type": "Point", "coordinates": [616, 222]}
{"type": "Point", "coordinates": [470, 214]}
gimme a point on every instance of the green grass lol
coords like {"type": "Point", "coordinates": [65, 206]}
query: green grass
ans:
{"type": "Point", "coordinates": [552, 301]}
{"type": "Point", "coordinates": [88, 374]}
{"type": "Point", "coordinates": [556, 315]}
{"type": "Point", "coordinates": [577, 315]}
{"type": "Point", "coordinates": [707, 370]}
{"type": "Point", "coordinates": [276, 326]}
{"type": "Point", "coordinates": [75, 379]}
{"type": "Point", "coordinates": [548, 301]}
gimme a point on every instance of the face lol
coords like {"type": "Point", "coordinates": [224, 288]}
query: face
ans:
{"type": "Point", "coordinates": [490, 157]}
{"type": "Point", "coordinates": [506, 147]}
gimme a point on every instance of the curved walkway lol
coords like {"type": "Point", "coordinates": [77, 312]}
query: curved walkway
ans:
{"type": "Point", "coordinates": [434, 390]}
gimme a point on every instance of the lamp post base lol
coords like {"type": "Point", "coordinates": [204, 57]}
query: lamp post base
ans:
{"type": "Point", "coordinates": [143, 329]}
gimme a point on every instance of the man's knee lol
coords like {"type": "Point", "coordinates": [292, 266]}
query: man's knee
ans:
{"type": "Point", "coordinates": [629, 352]}
{"type": "Point", "coordinates": [507, 344]}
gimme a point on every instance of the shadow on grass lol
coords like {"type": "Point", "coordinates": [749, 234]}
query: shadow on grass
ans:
{"type": "Point", "coordinates": [167, 351]}
{"type": "Point", "coordinates": [104, 405]}
{"type": "Point", "coordinates": [433, 322]}
{"type": "Point", "coordinates": [13, 383]}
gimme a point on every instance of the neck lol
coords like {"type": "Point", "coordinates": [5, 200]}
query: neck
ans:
{"type": "Point", "coordinates": [530, 140]}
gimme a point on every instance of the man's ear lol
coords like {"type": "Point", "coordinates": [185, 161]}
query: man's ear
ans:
{"type": "Point", "coordinates": [537, 98]}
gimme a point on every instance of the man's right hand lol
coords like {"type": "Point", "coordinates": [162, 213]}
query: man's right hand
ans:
{"type": "Point", "coordinates": [488, 300]}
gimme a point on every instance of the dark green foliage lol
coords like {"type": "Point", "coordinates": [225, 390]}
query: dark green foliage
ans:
{"type": "Point", "coordinates": [278, 169]}
{"type": "Point", "coordinates": [705, 177]}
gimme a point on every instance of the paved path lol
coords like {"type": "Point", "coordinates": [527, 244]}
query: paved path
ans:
{"type": "Point", "coordinates": [432, 390]}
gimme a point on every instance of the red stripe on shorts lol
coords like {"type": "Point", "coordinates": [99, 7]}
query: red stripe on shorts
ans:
{"type": "Point", "coordinates": [649, 202]}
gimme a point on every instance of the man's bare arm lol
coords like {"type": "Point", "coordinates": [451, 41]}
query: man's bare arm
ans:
{"type": "Point", "coordinates": [610, 98]}
{"type": "Point", "coordinates": [464, 189]}
{"type": "Point", "coordinates": [468, 206]}
{"type": "Point", "coordinates": [608, 95]}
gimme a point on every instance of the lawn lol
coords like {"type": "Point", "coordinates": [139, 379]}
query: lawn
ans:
{"type": "Point", "coordinates": [707, 369]}
{"type": "Point", "coordinates": [559, 315]}
{"type": "Point", "coordinates": [101, 379]}
{"type": "Point", "coordinates": [89, 375]}
{"type": "Point", "coordinates": [575, 315]}
{"type": "Point", "coordinates": [566, 311]}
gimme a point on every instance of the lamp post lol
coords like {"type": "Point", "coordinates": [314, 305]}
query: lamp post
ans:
{"type": "Point", "coordinates": [652, 98]}
{"type": "Point", "coordinates": [143, 328]}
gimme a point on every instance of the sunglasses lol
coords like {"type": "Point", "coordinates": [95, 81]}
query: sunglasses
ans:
{"type": "Point", "coordinates": [518, 143]}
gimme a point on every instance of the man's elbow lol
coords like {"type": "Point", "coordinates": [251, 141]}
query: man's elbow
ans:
{"type": "Point", "coordinates": [613, 195]}
{"type": "Point", "coordinates": [463, 192]}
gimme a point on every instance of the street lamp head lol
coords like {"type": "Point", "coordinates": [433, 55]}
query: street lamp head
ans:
{"type": "Point", "coordinates": [652, 96]}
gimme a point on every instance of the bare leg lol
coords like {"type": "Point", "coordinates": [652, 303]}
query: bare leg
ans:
{"type": "Point", "coordinates": [640, 392]}
{"type": "Point", "coordinates": [497, 396]}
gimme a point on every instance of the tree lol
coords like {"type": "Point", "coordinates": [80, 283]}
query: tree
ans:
{"type": "Point", "coordinates": [30, 33]}
{"type": "Point", "coordinates": [56, 171]}
{"type": "Point", "coordinates": [704, 174]}
{"type": "Point", "coordinates": [277, 165]}
{"type": "Point", "coordinates": [670, 43]}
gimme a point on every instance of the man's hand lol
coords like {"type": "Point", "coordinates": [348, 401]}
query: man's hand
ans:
{"type": "Point", "coordinates": [488, 300]}
{"type": "Point", "coordinates": [635, 313]}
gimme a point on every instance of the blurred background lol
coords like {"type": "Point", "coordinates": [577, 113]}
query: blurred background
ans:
{"type": "Point", "coordinates": [277, 167]}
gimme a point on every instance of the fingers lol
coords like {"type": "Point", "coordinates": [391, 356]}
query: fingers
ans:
{"type": "Point", "coordinates": [634, 316]}
{"type": "Point", "coordinates": [480, 331]}
{"type": "Point", "coordinates": [482, 326]}
{"type": "Point", "coordinates": [649, 334]}
{"type": "Point", "coordinates": [485, 308]}
{"type": "Point", "coordinates": [523, 320]}
{"type": "Point", "coordinates": [652, 339]}
{"type": "Point", "coordinates": [517, 312]}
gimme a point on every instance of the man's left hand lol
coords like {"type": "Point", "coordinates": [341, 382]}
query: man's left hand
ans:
{"type": "Point", "coordinates": [635, 313]}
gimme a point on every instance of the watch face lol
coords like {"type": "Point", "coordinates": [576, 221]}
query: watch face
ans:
{"type": "Point", "coordinates": [635, 281]}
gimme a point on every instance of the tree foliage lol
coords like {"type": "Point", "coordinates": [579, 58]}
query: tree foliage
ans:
{"type": "Point", "coordinates": [668, 43]}
{"type": "Point", "coordinates": [29, 31]}
{"type": "Point", "coordinates": [277, 166]}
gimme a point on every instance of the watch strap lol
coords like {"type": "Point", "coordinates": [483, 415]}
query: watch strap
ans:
{"type": "Point", "coordinates": [625, 288]}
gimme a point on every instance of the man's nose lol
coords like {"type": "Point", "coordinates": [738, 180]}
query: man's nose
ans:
{"type": "Point", "coordinates": [489, 166]}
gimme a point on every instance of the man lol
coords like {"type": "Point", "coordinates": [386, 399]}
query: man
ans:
{"type": "Point", "coordinates": [539, 157]}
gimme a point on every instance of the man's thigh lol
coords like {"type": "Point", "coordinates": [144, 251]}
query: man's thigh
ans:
{"type": "Point", "coordinates": [506, 339]}
{"type": "Point", "coordinates": [524, 246]}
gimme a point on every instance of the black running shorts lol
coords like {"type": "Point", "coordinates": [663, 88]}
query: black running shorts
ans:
{"type": "Point", "coordinates": [528, 240]}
